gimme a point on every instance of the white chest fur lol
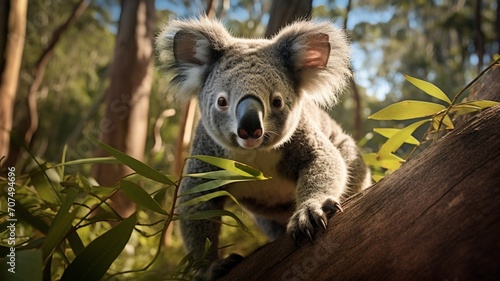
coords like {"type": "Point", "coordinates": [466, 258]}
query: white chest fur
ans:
{"type": "Point", "coordinates": [275, 191]}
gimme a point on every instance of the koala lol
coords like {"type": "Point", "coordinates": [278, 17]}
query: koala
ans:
{"type": "Point", "coordinates": [261, 103]}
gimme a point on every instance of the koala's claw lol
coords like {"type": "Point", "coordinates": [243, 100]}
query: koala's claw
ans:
{"type": "Point", "coordinates": [309, 215]}
{"type": "Point", "coordinates": [309, 235]}
{"type": "Point", "coordinates": [323, 223]}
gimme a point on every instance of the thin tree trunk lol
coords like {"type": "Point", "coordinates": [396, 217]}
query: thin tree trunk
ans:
{"type": "Point", "coordinates": [355, 91]}
{"type": "Point", "coordinates": [11, 63]}
{"type": "Point", "coordinates": [31, 121]}
{"type": "Point", "coordinates": [479, 34]}
{"type": "Point", "coordinates": [124, 126]}
{"type": "Point", "coordinates": [284, 12]}
{"type": "Point", "coordinates": [497, 27]}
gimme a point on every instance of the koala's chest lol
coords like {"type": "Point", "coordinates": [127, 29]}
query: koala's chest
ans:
{"type": "Point", "coordinates": [273, 193]}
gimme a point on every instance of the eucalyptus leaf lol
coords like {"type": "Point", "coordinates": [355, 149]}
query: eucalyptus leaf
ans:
{"type": "Point", "coordinates": [394, 142]}
{"type": "Point", "coordinates": [232, 166]}
{"type": "Point", "coordinates": [483, 104]}
{"type": "Point", "coordinates": [94, 261]}
{"type": "Point", "coordinates": [137, 194]}
{"type": "Point", "coordinates": [137, 165]}
{"type": "Point", "coordinates": [390, 162]}
{"type": "Point", "coordinates": [207, 197]}
{"type": "Point", "coordinates": [408, 109]}
{"type": "Point", "coordinates": [213, 214]}
{"type": "Point", "coordinates": [60, 225]}
{"type": "Point", "coordinates": [389, 132]}
{"type": "Point", "coordinates": [211, 185]}
{"type": "Point", "coordinates": [446, 121]}
{"type": "Point", "coordinates": [221, 175]}
{"type": "Point", "coordinates": [428, 88]}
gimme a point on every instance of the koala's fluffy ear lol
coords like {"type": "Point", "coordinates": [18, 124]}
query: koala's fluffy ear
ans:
{"type": "Point", "coordinates": [318, 56]}
{"type": "Point", "coordinates": [186, 50]}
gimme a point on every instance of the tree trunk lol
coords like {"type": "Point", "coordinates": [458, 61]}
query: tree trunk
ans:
{"type": "Point", "coordinates": [479, 40]}
{"type": "Point", "coordinates": [497, 26]}
{"type": "Point", "coordinates": [436, 218]}
{"type": "Point", "coordinates": [284, 12]}
{"type": "Point", "coordinates": [124, 126]}
{"type": "Point", "coordinates": [12, 52]}
{"type": "Point", "coordinates": [357, 130]}
{"type": "Point", "coordinates": [28, 125]}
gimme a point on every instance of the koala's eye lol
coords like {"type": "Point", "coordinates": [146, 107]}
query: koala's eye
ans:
{"type": "Point", "coordinates": [277, 102]}
{"type": "Point", "coordinates": [222, 102]}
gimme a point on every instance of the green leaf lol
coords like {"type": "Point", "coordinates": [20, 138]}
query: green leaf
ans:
{"type": "Point", "coordinates": [232, 166]}
{"type": "Point", "coordinates": [213, 214]}
{"type": "Point", "coordinates": [448, 124]}
{"type": "Point", "coordinates": [220, 175]}
{"type": "Point", "coordinates": [481, 103]}
{"type": "Point", "coordinates": [471, 106]}
{"type": "Point", "coordinates": [461, 109]}
{"type": "Point", "coordinates": [407, 109]}
{"type": "Point", "coordinates": [390, 162]}
{"type": "Point", "coordinates": [159, 197]}
{"type": "Point", "coordinates": [75, 242]}
{"type": "Point", "coordinates": [60, 225]}
{"type": "Point", "coordinates": [389, 132]}
{"type": "Point", "coordinates": [206, 197]}
{"type": "Point", "coordinates": [394, 142]}
{"type": "Point", "coordinates": [377, 178]}
{"type": "Point", "coordinates": [28, 266]}
{"type": "Point", "coordinates": [44, 183]}
{"type": "Point", "coordinates": [137, 165]}
{"type": "Point", "coordinates": [137, 194]}
{"type": "Point", "coordinates": [428, 88]}
{"type": "Point", "coordinates": [210, 185]}
{"type": "Point", "coordinates": [26, 216]}
{"type": "Point", "coordinates": [93, 262]}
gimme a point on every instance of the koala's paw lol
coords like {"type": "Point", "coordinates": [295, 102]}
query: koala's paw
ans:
{"type": "Point", "coordinates": [310, 215]}
{"type": "Point", "coordinates": [219, 268]}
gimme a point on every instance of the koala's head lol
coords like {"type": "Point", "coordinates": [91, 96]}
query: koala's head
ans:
{"type": "Point", "coordinates": [251, 91]}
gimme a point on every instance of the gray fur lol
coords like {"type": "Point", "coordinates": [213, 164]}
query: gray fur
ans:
{"type": "Point", "coordinates": [313, 163]}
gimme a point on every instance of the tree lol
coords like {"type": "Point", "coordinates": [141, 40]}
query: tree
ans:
{"type": "Point", "coordinates": [12, 31]}
{"type": "Point", "coordinates": [279, 16]}
{"type": "Point", "coordinates": [124, 126]}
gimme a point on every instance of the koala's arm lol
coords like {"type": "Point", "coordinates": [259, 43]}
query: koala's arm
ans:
{"type": "Point", "coordinates": [322, 176]}
{"type": "Point", "coordinates": [359, 174]}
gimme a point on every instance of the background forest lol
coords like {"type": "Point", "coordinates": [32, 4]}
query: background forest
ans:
{"type": "Point", "coordinates": [86, 71]}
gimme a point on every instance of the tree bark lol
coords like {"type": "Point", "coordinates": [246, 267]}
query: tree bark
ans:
{"type": "Point", "coordinates": [11, 63]}
{"type": "Point", "coordinates": [284, 12]}
{"type": "Point", "coordinates": [124, 126]}
{"type": "Point", "coordinates": [436, 218]}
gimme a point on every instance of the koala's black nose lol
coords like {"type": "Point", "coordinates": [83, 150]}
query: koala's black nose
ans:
{"type": "Point", "coordinates": [249, 113]}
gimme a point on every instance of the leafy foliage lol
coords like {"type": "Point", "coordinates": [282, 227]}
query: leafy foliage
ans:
{"type": "Point", "coordinates": [441, 120]}
{"type": "Point", "coordinates": [75, 205]}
